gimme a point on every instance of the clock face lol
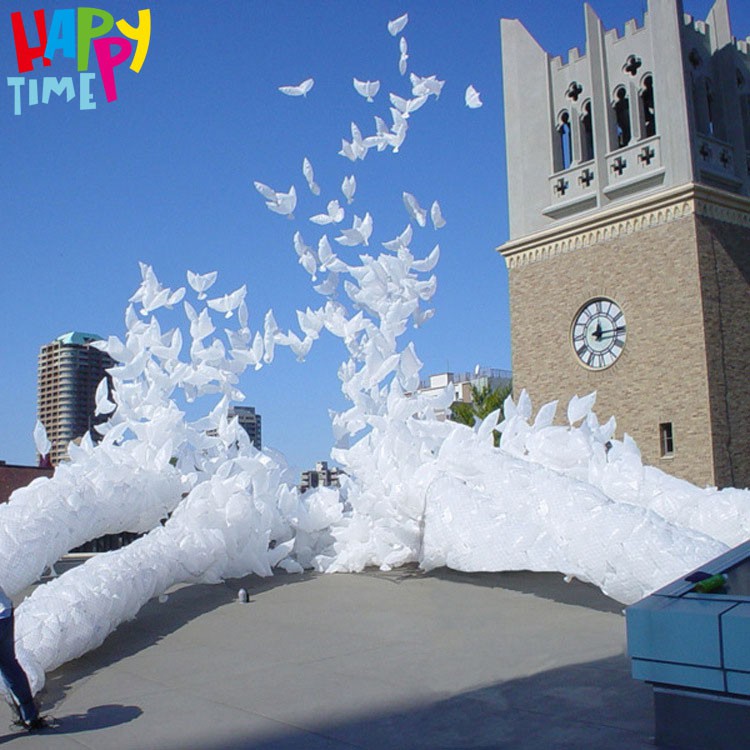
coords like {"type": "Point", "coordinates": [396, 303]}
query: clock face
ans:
{"type": "Point", "coordinates": [598, 333]}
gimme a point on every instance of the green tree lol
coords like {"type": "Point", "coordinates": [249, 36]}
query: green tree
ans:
{"type": "Point", "coordinates": [483, 402]}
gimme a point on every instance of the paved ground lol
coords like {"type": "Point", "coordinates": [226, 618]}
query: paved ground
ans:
{"type": "Point", "coordinates": [381, 660]}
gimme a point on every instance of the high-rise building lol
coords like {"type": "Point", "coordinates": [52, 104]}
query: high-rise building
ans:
{"type": "Point", "coordinates": [250, 421]}
{"type": "Point", "coordinates": [629, 208]}
{"type": "Point", "coordinates": [70, 369]}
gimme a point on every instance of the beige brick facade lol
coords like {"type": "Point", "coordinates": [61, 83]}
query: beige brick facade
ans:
{"type": "Point", "coordinates": [681, 279]}
{"type": "Point", "coordinates": [724, 257]}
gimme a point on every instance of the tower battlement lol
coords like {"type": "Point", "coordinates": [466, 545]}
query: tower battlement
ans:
{"type": "Point", "coordinates": [695, 23]}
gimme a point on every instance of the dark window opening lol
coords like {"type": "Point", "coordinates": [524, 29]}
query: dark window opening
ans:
{"type": "Point", "coordinates": [666, 439]}
{"type": "Point", "coordinates": [566, 143]}
{"type": "Point", "coordinates": [699, 104]}
{"type": "Point", "coordinates": [622, 117]}
{"type": "Point", "coordinates": [710, 108]}
{"type": "Point", "coordinates": [587, 133]}
{"type": "Point", "coordinates": [647, 103]}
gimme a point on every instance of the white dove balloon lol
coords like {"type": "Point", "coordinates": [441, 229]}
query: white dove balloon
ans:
{"type": "Point", "coordinates": [367, 89]}
{"type": "Point", "coordinates": [307, 171]}
{"type": "Point", "coordinates": [397, 25]}
{"type": "Point", "coordinates": [283, 203]}
{"type": "Point", "coordinates": [301, 348]}
{"type": "Point", "coordinates": [359, 234]}
{"type": "Point", "coordinates": [101, 398]}
{"type": "Point", "coordinates": [229, 302]}
{"type": "Point", "coordinates": [437, 216]}
{"type": "Point", "coordinates": [270, 332]}
{"type": "Point", "coordinates": [200, 325]}
{"type": "Point", "coordinates": [349, 187]}
{"type": "Point", "coordinates": [416, 212]}
{"type": "Point", "coordinates": [300, 89]}
{"type": "Point", "coordinates": [329, 261]}
{"type": "Point", "coordinates": [201, 282]}
{"type": "Point", "coordinates": [310, 322]}
{"type": "Point", "coordinates": [267, 192]}
{"type": "Point", "coordinates": [329, 286]}
{"type": "Point", "coordinates": [41, 441]}
{"type": "Point", "coordinates": [305, 255]}
{"type": "Point", "coordinates": [407, 106]}
{"type": "Point", "coordinates": [472, 98]}
{"type": "Point", "coordinates": [334, 215]}
{"type": "Point", "coordinates": [425, 86]}
{"type": "Point", "coordinates": [429, 262]}
{"type": "Point", "coordinates": [357, 149]}
{"type": "Point", "coordinates": [398, 130]}
{"type": "Point", "coordinates": [403, 47]}
{"type": "Point", "coordinates": [402, 241]}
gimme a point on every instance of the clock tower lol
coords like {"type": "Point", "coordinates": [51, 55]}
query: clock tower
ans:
{"type": "Point", "coordinates": [629, 250]}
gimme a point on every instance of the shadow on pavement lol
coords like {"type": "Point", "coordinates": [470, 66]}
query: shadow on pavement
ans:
{"type": "Point", "coordinates": [98, 717]}
{"type": "Point", "coordinates": [546, 586]}
{"type": "Point", "coordinates": [152, 623]}
{"type": "Point", "coordinates": [591, 705]}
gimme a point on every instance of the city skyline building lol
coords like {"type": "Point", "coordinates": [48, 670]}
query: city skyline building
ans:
{"type": "Point", "coordinates": [69, 371]}
{"type": "Point", "coordinates": [250, 420]}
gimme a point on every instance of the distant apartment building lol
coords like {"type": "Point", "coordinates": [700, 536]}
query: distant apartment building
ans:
{"type": "Point", "coordinates": [250, 420]}
{"type": "Point", "coordinates": [462, 383]}
{"type": "Point", "coordinates": [70, 369]}
{"type": "Point", "coordinates": [320, 476]}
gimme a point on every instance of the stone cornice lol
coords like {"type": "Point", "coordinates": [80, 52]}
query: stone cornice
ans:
{"type": "Point", "coordinates": [662, 208]}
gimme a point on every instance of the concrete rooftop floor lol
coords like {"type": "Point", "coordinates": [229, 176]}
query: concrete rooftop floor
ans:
{"type": "Point", "coordinates": [376, 660]}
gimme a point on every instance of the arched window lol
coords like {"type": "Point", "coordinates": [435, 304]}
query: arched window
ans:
{"type": "Point", "coordinates": [565, 140]}
{"type": "Point", "coordinates": [622, 117]}
{"type": "Point", "coordinates": [587, 133]}
{"type": "Point", "coordinates": [648, 113]}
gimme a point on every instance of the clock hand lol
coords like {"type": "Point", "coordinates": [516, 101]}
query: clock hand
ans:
{"type": "Point", "coordinates": [610, 334]}
{"type": "Point", "coordinates": [598, 331]}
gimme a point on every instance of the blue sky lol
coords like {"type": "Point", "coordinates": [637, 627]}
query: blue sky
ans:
{"type": "Point", "coordinates": [164, 175]}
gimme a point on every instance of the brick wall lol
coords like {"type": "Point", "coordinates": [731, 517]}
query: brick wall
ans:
{"type": "Point", "coordinates": [12, 477]}
{"type": "Point", "coordinates": [724, 255]}
{"type": "Point", "coordinates": [661, 376]}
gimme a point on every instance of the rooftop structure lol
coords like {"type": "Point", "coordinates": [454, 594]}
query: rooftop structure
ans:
{"type": "Point", "coordinates": [462, 382]}
{"type": "Point", "coordinates": [320, 476]}
{"type": "Point", "coordinates": [70, 369]}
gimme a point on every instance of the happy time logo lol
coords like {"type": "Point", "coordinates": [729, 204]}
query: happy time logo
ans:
{"type": "Point", "coordinates": [72, 33]}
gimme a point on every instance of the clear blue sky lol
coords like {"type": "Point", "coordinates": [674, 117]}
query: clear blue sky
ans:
{"type": "Point", "coordinates": [164, 175]}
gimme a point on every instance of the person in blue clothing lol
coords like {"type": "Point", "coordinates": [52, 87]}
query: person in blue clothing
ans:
{"type": "Point", "coordinates": [13, 675]}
